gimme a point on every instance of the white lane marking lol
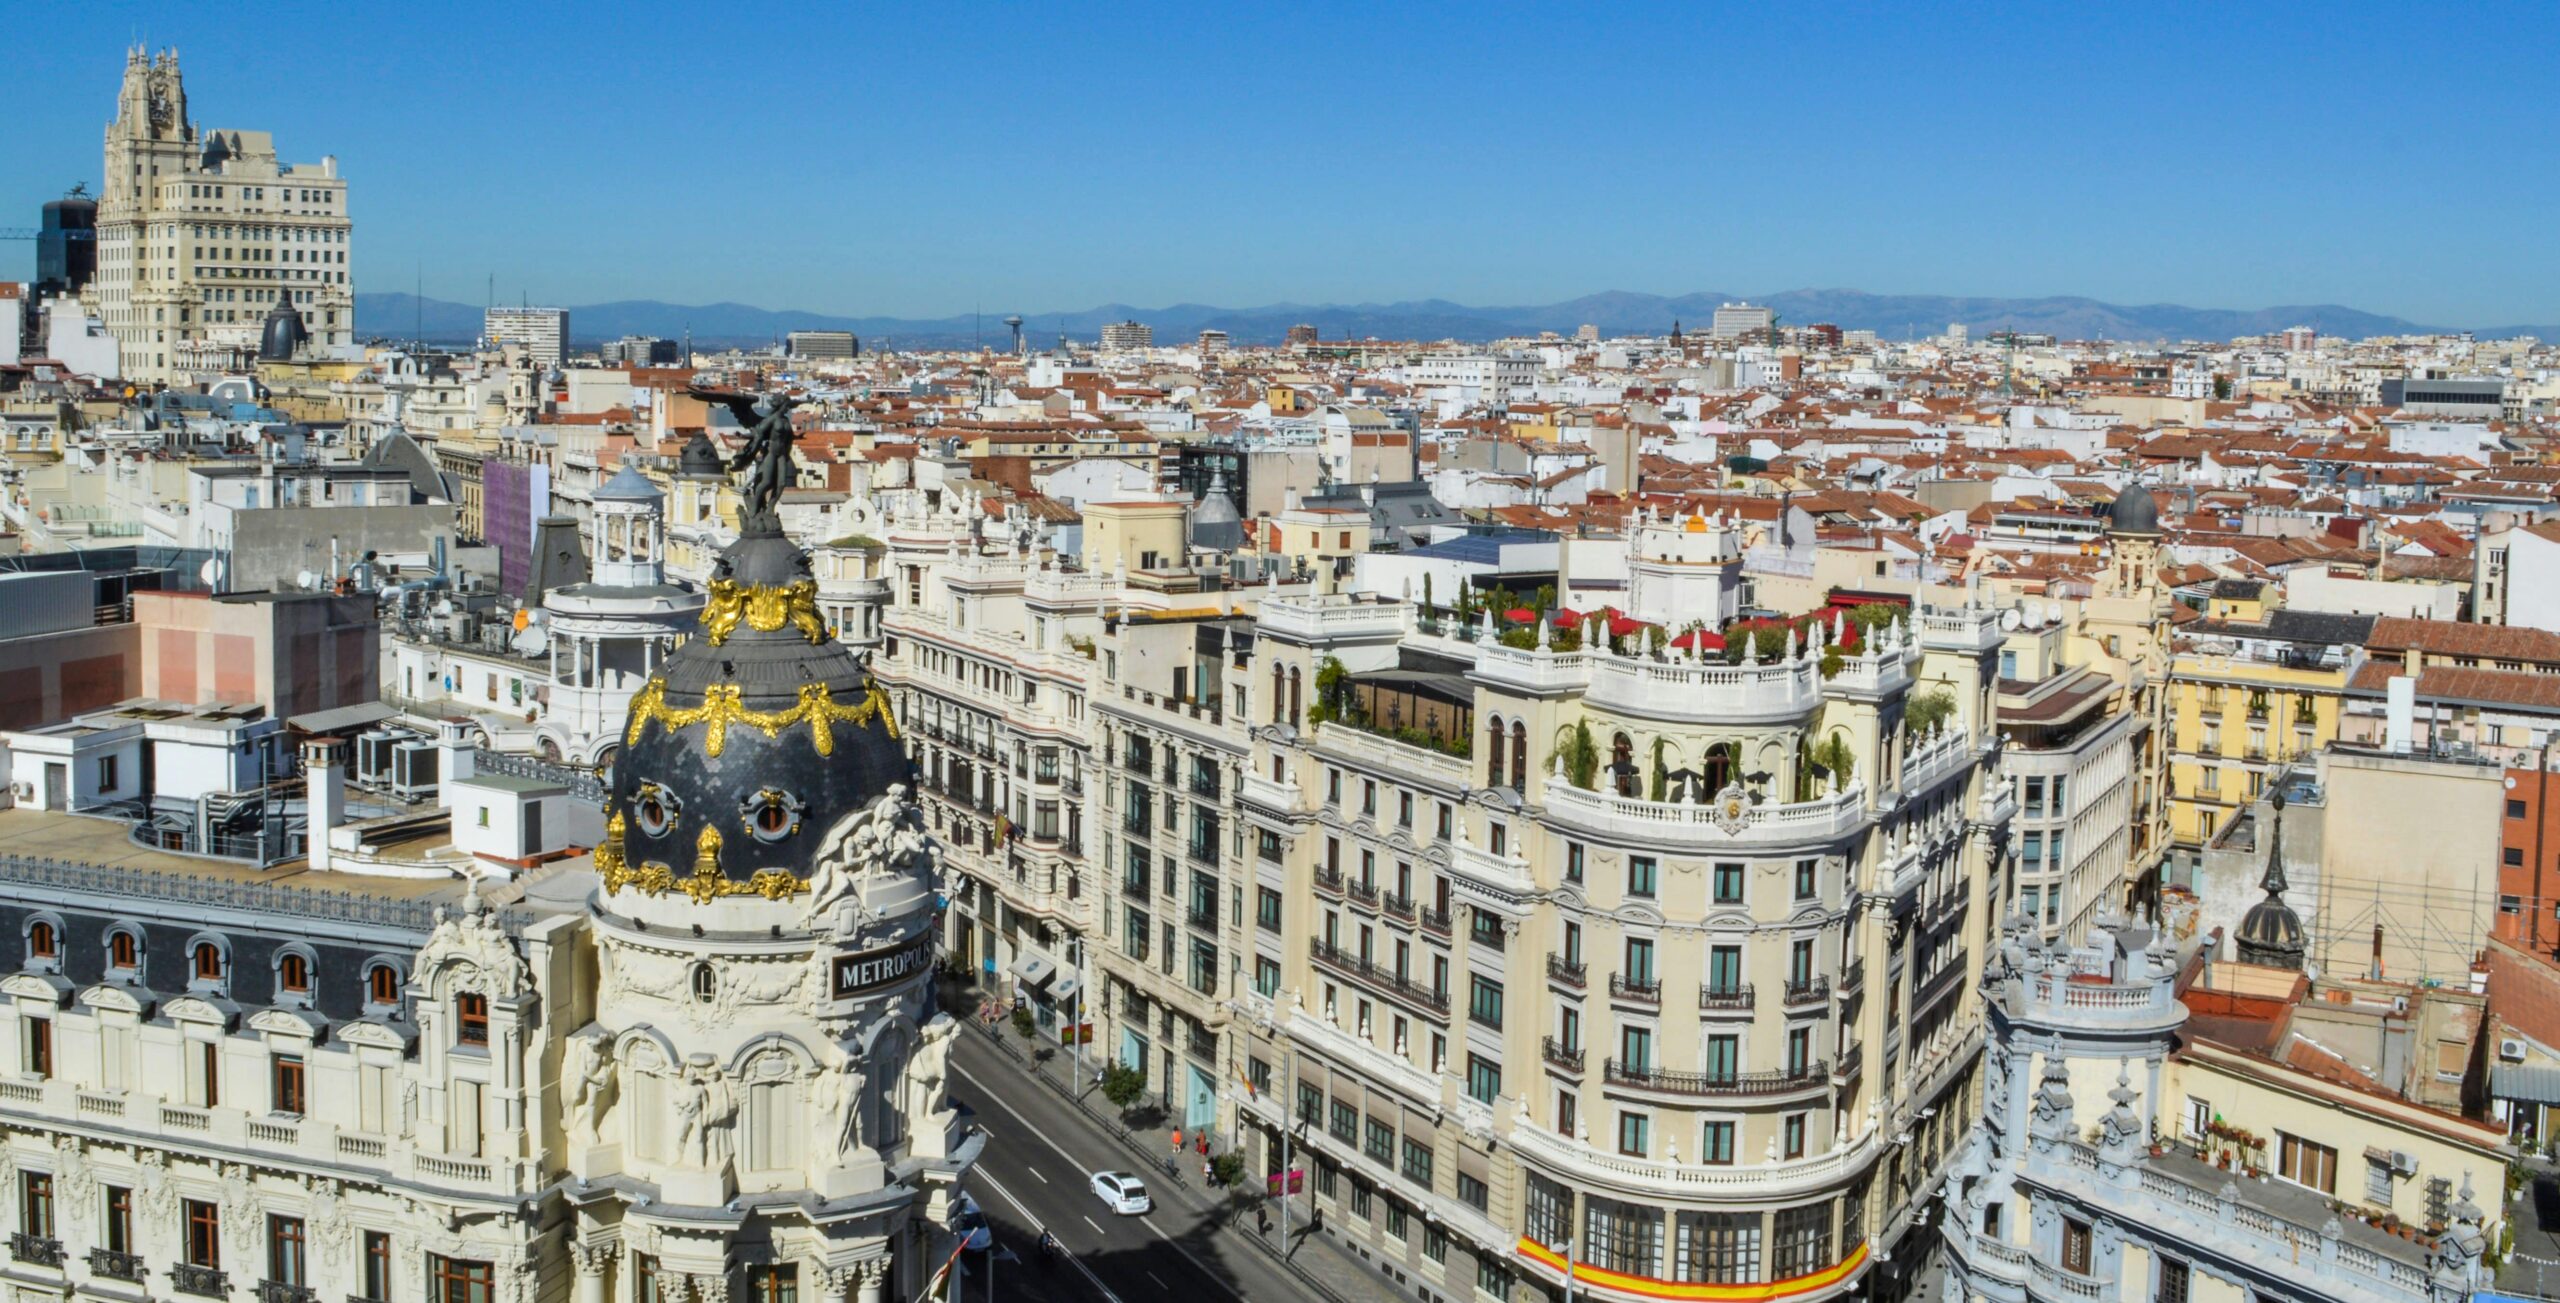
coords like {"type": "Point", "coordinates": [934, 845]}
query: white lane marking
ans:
{"type": "Point", "coordinates": [982, 1174]}
{"type": "Point", "coordinates": [1060, 1150]}
{"type": "Point", "coordinates": [1097, 1229]}
{"type": "Point", "coordinates": [1035, 1174]}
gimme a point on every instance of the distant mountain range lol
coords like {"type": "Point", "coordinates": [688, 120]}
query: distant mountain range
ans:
{"type": "Point", "coordinates": [1618, 312]}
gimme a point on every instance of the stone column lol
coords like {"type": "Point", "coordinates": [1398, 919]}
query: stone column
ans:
{"type": "Point", "coordinates": [590, 1263]}
{"type": "Point", "coordinates": [874, 1283]}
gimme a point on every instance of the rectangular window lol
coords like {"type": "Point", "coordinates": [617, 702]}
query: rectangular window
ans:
{"type": "Point", "coordinates": [1484, 1079]}
{"type": "Point", "coordinates": [1573, 861]}
{"type": "Point", "coordinates": [2377, 1180]}
{"type": "Point", "coordinates": [1724, 969]}
{"type": "Point", "coordinates": [1435, 1243]}
{"type": "Point", "coordinates": [1473, 1192]}
{"type": "Point", "coordinates": [119, 1227]}
{"type": "Point", "coordinates": [35, 1211]}
{"type": "Point", "coordinates": [285, 1260]}
{"type": "Point", "coordinates": [1635, 1132]}
{"type": "Point", "coordinates": [471, 1018]}
{"type": "Point", "coordinates": [1345, 1123]}
{"type": "Point", "coordinates": [1717, 1146]}
{"type": "Point", "coordinates": [39, 1039]}
{"type": "Point", "coordinates": [1396, 1224]}
{"type": "Point", "coordinates": [451, 1280]}
{"type": "Point", "coordinates": [1635, 1048]}
{"type": "Point", "coordinates": [1484, 1001]}
{"type": "Point", "coordinates": [1417, 1162]}
{"type": "Point", "coordinates": [1379, 1141]}
{"type": "Point", "coordinates": [1718, 1248]}
{"type": "Point", "coordinates": [2173, 1282]}
{"type": "Point", "coordinates": [1791, 1136]}
{"type": "Point", "coordinates": [1724, 1057]}
{"type": "Point", "coordinates": [288, 1094]}
{"type": "Point", "coordinates": [1807, 878]}
{"type": "Point", "coordinates": [2307, 1163]}
{"type": "Point", "coordinates": [204, 1234]}
{"type": "Point", "coordinates": [1728, 884]}
{"type": "Point", "coordinates": [773, 1283]}
{"type": "Point", "coordinates": [1639, 962]}
{"type": "Point", "coordinates": [2075, 1246]}
{"type": "Point", "coordinates": [1640, 876]}
{"type": "Point", "coordinates": [1800, 1240]}
{"type": "Point", "coordinates": [377, 1266]}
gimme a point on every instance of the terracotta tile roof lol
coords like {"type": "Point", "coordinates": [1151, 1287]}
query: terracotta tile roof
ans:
{"type": "Point", "coordinates": [2524, 992]}
{"type": "Point", "coordinates": [2488, 642]}
{"type": "Point", "coordinates": [2514, 689]}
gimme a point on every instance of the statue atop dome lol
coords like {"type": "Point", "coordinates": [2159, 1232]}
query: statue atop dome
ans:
{"type": "Point", "coordinates": [766, 458]}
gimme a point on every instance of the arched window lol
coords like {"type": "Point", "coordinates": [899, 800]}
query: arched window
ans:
{"type": "Point", "coordinates": [41, 942]}
{"type": "Point", "coordinates": [1279, 692]}
{"type": "Point", "coordinates": [706, 984]}
{"type": "Point", "coordinates": [1622, 764]}
{"type": "Point", "coordinates": [208, 962]}
{"type": "Point", "coordinates": [1494, 758]}
{"type": "Point", "coordinates": [1519, 756]}
{"type": "Point", "coordinates": [1718, 770]}
{"type": "Point", "coordinates": [293, 973]}
{"type": "Point", "coordinates": [123, 951]}
{"type": "Point", "coordinates": [1297, 699]}
{"type": "Point", "coordinates": [382, 984]}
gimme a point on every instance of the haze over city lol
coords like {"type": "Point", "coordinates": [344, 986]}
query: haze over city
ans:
{"type": "Point", "coordinates": [924, 163]}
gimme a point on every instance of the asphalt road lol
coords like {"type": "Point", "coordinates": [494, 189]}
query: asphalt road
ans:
{"type": "Point", "coordinates": [1036, 1172]}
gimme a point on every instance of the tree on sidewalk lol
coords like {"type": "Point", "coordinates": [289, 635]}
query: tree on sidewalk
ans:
{"type": "Point", "coordinates": [1122, 1085]}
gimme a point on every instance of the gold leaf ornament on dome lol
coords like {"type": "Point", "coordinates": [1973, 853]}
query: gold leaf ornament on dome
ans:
{"type": "Point", "coordinates": [705, 884]}
{"type": "Point", "coordinates": [763, 607]}
{"type": "Point", "coordinates": [723, 705]}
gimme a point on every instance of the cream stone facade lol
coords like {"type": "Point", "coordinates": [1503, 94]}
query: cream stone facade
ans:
{"type": "Point", "coordinates": [202, 232]}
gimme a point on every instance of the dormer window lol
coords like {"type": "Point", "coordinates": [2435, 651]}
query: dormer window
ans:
{"type": "Point", "coordinates": [382, 985]}
{"type": "Point", "coordinates": [123, 952]}
{"type": "Point", "coordinates": [41, 942]}
{"type": "Point", "coordinates": [208, 962]}
{"type": "Point", "coordinates": [293, 974]}
{"type": "Point", "coordinates": [471, 1014]}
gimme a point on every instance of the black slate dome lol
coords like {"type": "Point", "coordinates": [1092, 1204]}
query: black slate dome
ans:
{"type": "Point", "coordinates": [283, 334]}
{"type": "Point", "coordinates": [757, 735]}
{"type": "Point", "coordinates": [2271, 933]}
{"type": "Point", "coordinates": [2133, 512]}
{"type": "Point", "coordinates": [699, 460]}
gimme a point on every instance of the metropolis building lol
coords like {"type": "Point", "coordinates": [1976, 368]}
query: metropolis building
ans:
{"type": "Point", "coordinates": [706, 1066]}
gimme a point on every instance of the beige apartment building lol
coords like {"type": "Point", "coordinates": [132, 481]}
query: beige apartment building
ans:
{"type": "Point", "coordinates": [201, 233]}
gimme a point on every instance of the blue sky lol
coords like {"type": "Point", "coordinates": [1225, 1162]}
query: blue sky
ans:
{"type": "Point", "coordinates": [926, 160]}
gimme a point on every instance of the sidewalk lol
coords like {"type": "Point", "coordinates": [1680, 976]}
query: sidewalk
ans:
{"type": "Point", "coordinates": [1316, 1261]}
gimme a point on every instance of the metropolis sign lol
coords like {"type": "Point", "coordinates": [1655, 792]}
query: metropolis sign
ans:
{"type": "Point", "coordinates": [872, 969]}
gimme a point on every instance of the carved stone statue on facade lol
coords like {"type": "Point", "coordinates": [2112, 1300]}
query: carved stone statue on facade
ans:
{"type": "Point", "coordinates": [587, 1073]}
{"type": "Point", "coordinates": [693, 1118]}
{"type": "Point", "coordinates": [838, 1096]}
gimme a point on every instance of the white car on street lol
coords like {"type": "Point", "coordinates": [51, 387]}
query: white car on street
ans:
{"type": "Point", "coordinates": [1125, 1194]}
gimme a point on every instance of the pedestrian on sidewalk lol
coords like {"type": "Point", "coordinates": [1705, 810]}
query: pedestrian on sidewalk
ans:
{"type": "Point", "coordinates": [1261, 1220]}
{"type": "Point", "coordinates": [1177, 1140]}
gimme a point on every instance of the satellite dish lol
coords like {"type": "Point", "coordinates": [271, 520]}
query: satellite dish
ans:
{"type": "Point", "coordinates": [532, 640]}
{"type": "Point", "coordinates": [207, 571]}
{"type": "Point", "coordinates": [2053, 613]}
{"type": "Point", "coordinates": [2010, 619]}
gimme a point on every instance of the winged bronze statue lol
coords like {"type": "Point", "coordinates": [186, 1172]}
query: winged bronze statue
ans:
{"type": "Point", "coordinates": [766, 457]}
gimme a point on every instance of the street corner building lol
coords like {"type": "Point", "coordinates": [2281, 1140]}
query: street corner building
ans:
{"type": "Point", "coordinates": [705, 1065]}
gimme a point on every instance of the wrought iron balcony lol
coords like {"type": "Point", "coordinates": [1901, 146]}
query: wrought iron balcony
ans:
{"type": "Point", "coordinates": [114, 1265]}
{"type": "Point", "coordinates": [1778, 1082]}
{"type": "Point", "coordinates": [1204, 918]}
{"type": "Point", "coordinates": [1434, 920]}
{"type": "Point", "coordinates": [1365, 893]}
{"type": "Point", "coordinates": [1853, 976]}
{"type": "Point", "coordinates": [1559, 1056]}
{"type": "Point", "coordinates": [1735, 998]}
{"type": "Point", "coordinates": [1329, 881]}
{"type": "Point", "coordinates": [279, 1291]}
{"type": "Point", "coordinates": [1568, 972]}
{"type": "Point", "coordinates": [40, 1250]}
{"type": "Point", "coordinates": [1379, 979]}
{"type": "Point", "coordinates": [1397, 906]}
{"type": "Point", "coordinates": [1811, 990]}
{"type": "Point", "coordinates": [187, 1278]}
{"type": "Point", "coordinates": [1641, 990]}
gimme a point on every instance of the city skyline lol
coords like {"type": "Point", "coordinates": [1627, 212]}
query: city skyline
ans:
{"type": "Point", "coordinates": [1407, 156]}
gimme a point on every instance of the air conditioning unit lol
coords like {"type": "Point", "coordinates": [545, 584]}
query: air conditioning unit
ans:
{"type": "Point", "coordinates": [373, 755]}
{"type": "Point", "coordinates": [2403, 1163]}
{"type": "Point", "coordinates": [413, 770]}
{"type": "Point", "coordinates": [2511, 1049]}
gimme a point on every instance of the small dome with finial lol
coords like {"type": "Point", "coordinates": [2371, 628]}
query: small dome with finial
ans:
{"type": "Point", "coordinates": [2271, 933]}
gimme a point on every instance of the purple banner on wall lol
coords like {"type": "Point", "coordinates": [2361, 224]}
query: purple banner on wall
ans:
{"type": "Point", "coordinates": [512, 498]}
